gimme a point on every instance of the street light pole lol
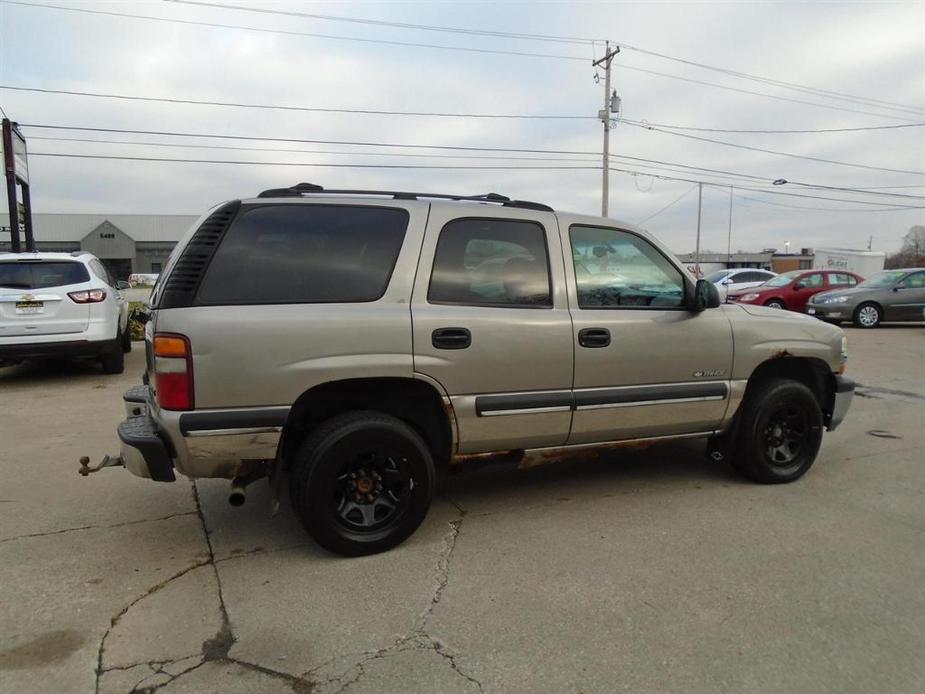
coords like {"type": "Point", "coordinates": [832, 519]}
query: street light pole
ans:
{"type": "Point", "coordinates": [699, 210]}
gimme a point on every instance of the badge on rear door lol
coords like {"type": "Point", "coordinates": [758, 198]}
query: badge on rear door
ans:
{"type": "Point", "coordinates": [710, 373]}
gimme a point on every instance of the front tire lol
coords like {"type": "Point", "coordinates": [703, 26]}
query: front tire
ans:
{"type": "Point", "coordinates": [780, 432]}
{"type": "Point", "coordinates": [775, 303]}
{"type": "Point", "coordinates": [867, 316]}
{"type": "Point", "coordinates": [362, 483]}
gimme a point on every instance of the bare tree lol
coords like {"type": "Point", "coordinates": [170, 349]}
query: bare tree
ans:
{"type": "Point", "coordinates": [912, 252]}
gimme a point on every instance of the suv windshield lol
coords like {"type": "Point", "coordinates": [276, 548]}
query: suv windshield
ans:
{"type": "Point", "coordinates": [782, 280]}
{"type": "Point", "coordinates": [42, 274]}
{"type": "Point", "coordinates": [882, 279]}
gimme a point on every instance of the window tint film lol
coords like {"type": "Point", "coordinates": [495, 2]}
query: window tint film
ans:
{"type": "Point", "coordinates": [615, 268]}
{"type": "Point", "coordinates": [41, 275]}
{"type": "Point", "coordinates": [305, 254]}
{"type": "Point", "coordinates": [491, 262]}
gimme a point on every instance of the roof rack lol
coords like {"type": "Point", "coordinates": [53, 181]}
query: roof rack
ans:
{"type": "Point", "coordinates": [301, 189]}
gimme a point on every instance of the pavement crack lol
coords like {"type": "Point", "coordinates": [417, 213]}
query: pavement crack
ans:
{"type": "Point", "coordinates": [96, 527]}
{"type": "Point", "coordinates": [442, 577]}
{"type": "Point", "coordinates": [115, 620]}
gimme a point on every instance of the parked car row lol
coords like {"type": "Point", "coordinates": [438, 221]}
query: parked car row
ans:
{"type": "Point", "coordinates": [839, 295]}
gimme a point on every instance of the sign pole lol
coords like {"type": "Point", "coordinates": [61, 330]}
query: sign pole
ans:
{"type": "Point", "coordinates": [9, 166]}
{"type": "Point", "coordinates": [16, 165]}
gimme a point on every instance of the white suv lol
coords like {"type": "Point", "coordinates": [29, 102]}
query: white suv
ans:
{"type": "Point", "coordinates": [62, 305]}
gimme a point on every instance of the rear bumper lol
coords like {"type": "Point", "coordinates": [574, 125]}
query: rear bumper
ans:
{"type": "Point", "coordinates": [841, 401]}
{"type": "Point", "coordinates": [50, 350]}
{"type": "Point", "coordinates": [158, 443]}
{"type": "Point", "coordinates": [145, 451]}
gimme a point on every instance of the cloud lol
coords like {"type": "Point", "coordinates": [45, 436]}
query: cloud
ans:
{"type": "Point", "coordinates": [865, 49]}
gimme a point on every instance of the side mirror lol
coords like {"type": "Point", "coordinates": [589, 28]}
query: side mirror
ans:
{"type": "Point", "coordinates": [706, 295]}
{"type": "Point", "coordinates": [897, 287]}
{"type": "Point", "coordinates": [798, 286]}
{"type": "Point", "coordinates": [122, 284]}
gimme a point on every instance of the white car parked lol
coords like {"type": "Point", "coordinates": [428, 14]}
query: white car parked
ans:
{"type": "Point", "coordinates": [739, 278]}
{"type": "Point", "coordinates": [62, 305]}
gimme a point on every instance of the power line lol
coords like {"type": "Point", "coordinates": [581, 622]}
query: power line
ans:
{"type": "Point", "coordinates": [640, 161]}
{"type": "Point", "coordinates": [670, 204]}
{"type": "Point", "coordinates": [273, 107]}
{"type": "Point", "coordinates": [452, 48]}
{"type": "Point", "coordinates": [517, 167]}
{"type": "Point", "coordinates": [430, 167]}
{"type": "Point", "coordinates": [780, 83]}
{"type": "Point", "coordinates": [777, 97]}
{"type": "Point", "coordinates": [817, 209]}
{"type": "Point", "coordinates": [288, 32]}
{"type": "Point", "coordinates": [399, 25]}
{"type": "Point", "coordinates": [776, 152]}
{"type": "Point", "coordinates": [646, 123]}
{"type": "Point", "coordinates": [557, 39]}
{"type": "Point", "coordinates": [183, 145]}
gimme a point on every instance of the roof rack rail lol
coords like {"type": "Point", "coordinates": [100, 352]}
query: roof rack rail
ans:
{"type": "Point", "coordinates": [301, 189]}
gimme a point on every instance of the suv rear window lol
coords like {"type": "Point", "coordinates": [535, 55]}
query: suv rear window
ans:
{"type": "Point", "coordinates": [288, 254]}
{"type": "Point", "coordinates": [41, 275]}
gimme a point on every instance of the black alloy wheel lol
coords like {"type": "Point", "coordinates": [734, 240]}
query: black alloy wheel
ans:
{"type": "Point", "coordinates": [362, 482]}
{"type": "Point", "coordinates": [780, 431]}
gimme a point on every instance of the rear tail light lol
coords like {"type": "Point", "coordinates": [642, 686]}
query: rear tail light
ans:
{"type": "Point", "coordinates": [173, 371]}
{"type": "Point", "coordinates": [89, 296]}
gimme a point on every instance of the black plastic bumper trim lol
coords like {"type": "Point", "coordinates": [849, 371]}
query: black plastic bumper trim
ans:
{"type": "Point", "coordinates": [141, 433]}
{"type": "Point", "coordinates": [843, 384]}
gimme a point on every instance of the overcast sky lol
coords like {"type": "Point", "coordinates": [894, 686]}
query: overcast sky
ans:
{"type": "Point", "coordinates": [871, 50]}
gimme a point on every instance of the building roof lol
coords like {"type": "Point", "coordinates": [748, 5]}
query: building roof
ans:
{"type": "Point", "coordinates": [166, 228]}
{"type": "Point", "coordinates": [723, 257]}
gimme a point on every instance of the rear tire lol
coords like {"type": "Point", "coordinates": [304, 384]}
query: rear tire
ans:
{"type": "Point", "coordinates": [775, 303]}
{"type": "Point", "coordinates": [362, 483]}
{"type": "Point", "coordinates": [113, 359]}
{"type": "Point", "coordinates": [780, 432]}
{"type": "Point", "coordinates": [867, 316]}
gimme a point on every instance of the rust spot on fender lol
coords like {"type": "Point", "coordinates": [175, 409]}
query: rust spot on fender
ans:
{"type": "Point", "coordinates": [780, 354]}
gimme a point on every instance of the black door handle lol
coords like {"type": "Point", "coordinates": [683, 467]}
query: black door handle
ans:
{"type": "Point", "coordinates": [451, 338]}
{"type": "Point", "coordinates": [594, 337]}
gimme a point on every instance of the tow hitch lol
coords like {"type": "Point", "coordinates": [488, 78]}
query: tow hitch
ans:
{"type": "Point", "coordinates": [107, 461]}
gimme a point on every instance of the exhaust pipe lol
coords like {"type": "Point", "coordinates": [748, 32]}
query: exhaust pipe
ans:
{"type": "Point", "coordinates": [237, 495]}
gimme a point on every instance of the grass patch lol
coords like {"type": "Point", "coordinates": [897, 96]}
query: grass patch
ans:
{"type": "Point", "coordinates": [136, 327]}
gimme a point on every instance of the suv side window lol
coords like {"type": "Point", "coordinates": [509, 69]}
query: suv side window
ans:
{"type": "Point", "coordinates": [491, 262]}
{"type": "Point", "coordinates": [812, 281]}
{"type": "Point", "coordinates": [295, 254]}
{"type": "Point", "coordinates": [619, 269]}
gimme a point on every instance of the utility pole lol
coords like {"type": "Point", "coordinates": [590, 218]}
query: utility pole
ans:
{"type": "Point", "coordinates": [697, 249]}
{"type": "Point", "coordinates": [729, 237]}
{"type": "Point", "coordinates": [611, 104]}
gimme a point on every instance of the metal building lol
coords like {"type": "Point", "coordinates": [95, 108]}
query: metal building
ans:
{"type": "Point", "coordinates": [126, 243]}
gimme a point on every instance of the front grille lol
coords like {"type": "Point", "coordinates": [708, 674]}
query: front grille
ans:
{"type": "Point", "coordinates": [183, 281]}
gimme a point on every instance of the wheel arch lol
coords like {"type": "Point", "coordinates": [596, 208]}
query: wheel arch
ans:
{"type": "Point", "coordinates": [812, 372]}
{"type": "Point", "coordinates": [416, 402]}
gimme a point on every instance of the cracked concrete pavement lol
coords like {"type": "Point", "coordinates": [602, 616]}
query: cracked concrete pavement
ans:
{"type": "Point", "coordinates": [645, 571]}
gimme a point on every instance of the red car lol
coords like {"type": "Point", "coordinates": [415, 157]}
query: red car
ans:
{"type": "Point", "coordinates": [791, 290]}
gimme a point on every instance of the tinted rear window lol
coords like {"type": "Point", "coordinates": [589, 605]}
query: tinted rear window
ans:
{"type": "Point", "coordinates": [305, 254]}
{"type": "Point", "coordinates": [41, 275]}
